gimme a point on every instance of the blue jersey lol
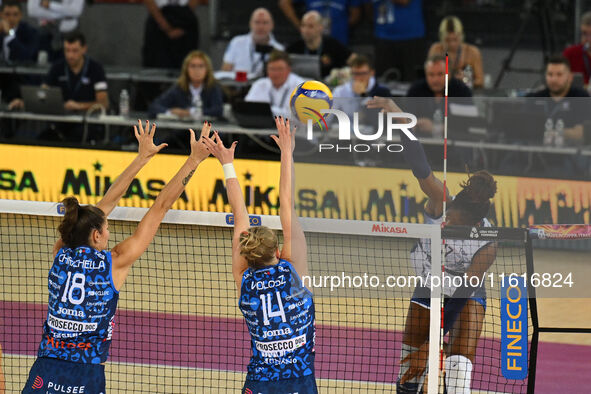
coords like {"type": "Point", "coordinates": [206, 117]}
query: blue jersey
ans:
{"type": "Point", "coordinates": [335, 16]}
{"type": "Point", "coordinates": [81, 307]}
{"type": "Point", "coordinates": [279, 313]}
{"type": "Point", "coordinates": [398, 22]}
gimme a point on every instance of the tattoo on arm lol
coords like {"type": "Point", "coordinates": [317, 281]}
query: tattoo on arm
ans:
{"type": "Point", "coordinates": [188, 178]}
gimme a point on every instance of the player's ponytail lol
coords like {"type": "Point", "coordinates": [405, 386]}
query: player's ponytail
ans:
{"type": "Point", "coordinates": [258, 246]}
{"type": "Point", "coordinates": [474, 199]}
{"type": "Point", "coordinates": [78, 222]}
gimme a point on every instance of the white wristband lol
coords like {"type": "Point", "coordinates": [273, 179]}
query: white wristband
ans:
{"type": "Point", "coordinates": [229, 171]}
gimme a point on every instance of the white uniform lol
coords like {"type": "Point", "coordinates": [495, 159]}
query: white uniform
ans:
{"type": "Point", "coordinates": [458, 254]}
{"type": "Point", "coordinates": [263, 91]}
{"type": "Point", "coordinates": [242, 55]}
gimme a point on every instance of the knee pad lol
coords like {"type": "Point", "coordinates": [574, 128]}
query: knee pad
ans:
{"type": "Point", "coordinates": [458, 374]}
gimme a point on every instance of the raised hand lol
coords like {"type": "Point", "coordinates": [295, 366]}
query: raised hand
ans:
{"type": "Point", "coordinates": [145, 139]}
{"type": "Point", "coordinates": [285, 139]}
{"type": "Point", "coordinates": [199, 150]}
{"type": "Point", "coordinates": [217, 148]}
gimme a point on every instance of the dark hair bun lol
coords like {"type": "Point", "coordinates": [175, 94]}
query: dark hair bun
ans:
{"type": "Point", "coordinates": [480, 187]}
{"type": "Point", "coordinates": [78, 222]}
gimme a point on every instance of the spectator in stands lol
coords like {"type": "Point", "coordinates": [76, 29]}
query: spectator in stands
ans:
{"type": "Point", "coordinates": [572, 113]}
{"type": "Point", "coordinates": [249, 52]}
{"type": "Point", "coordinates": [433, 86]}
{"type": "Point", "coordinates": [55, 18]}
{"type": "Point", "coordinates": [364, 83]}
{"type": "Point", "coordinates": [579, 55]}
{"type": "Point", "coordinates": [400, 36]}
{"type": "Point", "coordinates": [332, 53]}
{"type": "Point", "coordinates": [461, 55]}
{"type": "Point", "coordinates": [19, 40]}
{"type": "Point", "coordinates": [81, 78]}
{"type": "Point", "coordinates": [277, 86]}
{"type": "Point", "coordinates": [347, 97]}
{"type": "Point", "coordinates": [171, 32]}
{"type": "Point", "coordinates": [337, 15]}
{"type": "Point", "coordinates": [195, 84]}
{"type": "Point", "coordinates": [563, 114]}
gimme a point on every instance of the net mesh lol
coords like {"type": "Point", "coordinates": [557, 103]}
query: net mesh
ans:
{"type": "Point", "coordinates": [178, 328]}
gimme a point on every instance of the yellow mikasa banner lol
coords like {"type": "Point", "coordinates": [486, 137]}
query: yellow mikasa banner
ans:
{"type": "Point", "coordinates": [329, 191]}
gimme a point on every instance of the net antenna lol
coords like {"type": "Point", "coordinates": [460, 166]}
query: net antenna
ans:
{"type": "Point", "coordinates": [441, 301]}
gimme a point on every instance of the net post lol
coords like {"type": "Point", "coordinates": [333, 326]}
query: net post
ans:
{"type": "Point", "coordinates": [435, 314]}
{"type": "Point", "coordinates": [533, 307]}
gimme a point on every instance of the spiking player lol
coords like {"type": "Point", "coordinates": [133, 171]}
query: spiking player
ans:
{"type": "Point", "coordinates": [469, 208]}
{"type": "Point", "coordinates": [278, 309]}
{"type": "Point", "coordinates": [85, 278]}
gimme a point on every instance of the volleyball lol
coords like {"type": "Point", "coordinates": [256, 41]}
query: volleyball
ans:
{"type": "Point", "coordinates": [308, 99]}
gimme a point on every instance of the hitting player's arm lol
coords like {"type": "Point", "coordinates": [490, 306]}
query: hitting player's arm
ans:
{"type": "Point", "coordinates": [414, 154]}
{"type": "Point", "coordinates": [294, 241]}
{"type": "Point", "coordinates": [146, 151]}
{"type": "Point", "coordinates": [481, 262]}
{"type": "Point", "coordinates": [236, 200]}
{"type": "Point", "coordinates": [126, 252]}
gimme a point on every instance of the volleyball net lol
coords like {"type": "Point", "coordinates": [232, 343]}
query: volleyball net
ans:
{"type": "Point", "coordinates": [178, 327]}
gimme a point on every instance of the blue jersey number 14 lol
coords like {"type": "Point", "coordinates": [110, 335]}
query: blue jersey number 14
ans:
{"type": "Point", "coordinates": [268, 308]}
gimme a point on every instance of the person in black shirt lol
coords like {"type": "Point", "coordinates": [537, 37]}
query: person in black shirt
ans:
{"type": "Point", "coordinates": [559, 108]}
{"type": "Point", "coordinates": [433, 88]}
{"type": "Point", "coordinates": [558, 111]}
{"type": "Point", "coordinates": [82, 79]}
{"type": "Point", "coordinates": [332, 53]}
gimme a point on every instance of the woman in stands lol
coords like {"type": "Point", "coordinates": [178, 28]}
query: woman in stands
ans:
{"type": "Point", "coordinates": [85, 278]}
{"type": "Point", "coordinates": [464, 306]}
{"type": "Point", "coordinates": [278, 309]}
{"type": "Point", "coordinates": [196, 83]}
{"type": "Point", "coordinates": [461, 54]}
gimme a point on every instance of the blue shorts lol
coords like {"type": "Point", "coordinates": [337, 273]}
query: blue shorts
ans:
{"type": "Point", "coordinates": [50, 375]}
{"type": "Point", "coordinates": [303, 385]}
{"type": "Point", "coordinates": [422, 295]}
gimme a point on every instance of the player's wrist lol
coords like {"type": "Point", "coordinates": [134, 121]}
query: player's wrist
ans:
{"type": "Point", "coordinates": [143, 157]}
{"type": "Point", "coordinates": [229, 171]}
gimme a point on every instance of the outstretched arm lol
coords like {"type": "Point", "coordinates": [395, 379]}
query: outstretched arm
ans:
{"type": "Point", "coordinates": [125, 253]}
{"type": "Point", "coordinates": [294, 241]}
{"type": "Point", "coordinates": [146, 151]}
{"type": "Point", "coordinates": [414, 154]}
{"type": "Point", "coordinates": [236, 199]}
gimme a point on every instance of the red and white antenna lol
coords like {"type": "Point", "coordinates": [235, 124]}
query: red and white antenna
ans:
{"type": "Point", "coordinates": [441, 350]}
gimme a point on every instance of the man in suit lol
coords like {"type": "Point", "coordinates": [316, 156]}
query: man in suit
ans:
{"type": "Point", "coordinates": [19, 40]}
{"type": "Point", "coordinates": [19, 43]}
